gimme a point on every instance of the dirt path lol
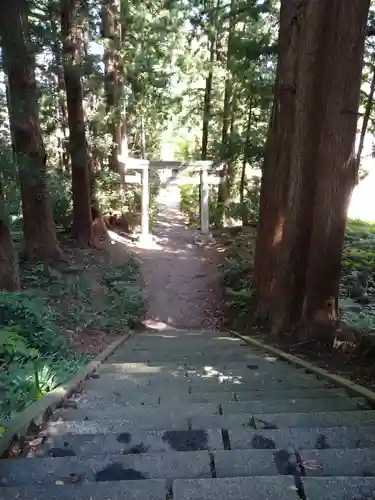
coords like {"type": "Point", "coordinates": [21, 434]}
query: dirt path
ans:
{"type": "Point", "coordinates": [180, 278]}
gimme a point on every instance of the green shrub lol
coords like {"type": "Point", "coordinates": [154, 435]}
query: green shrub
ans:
{"type": "Point", "coordinates": [125, 304]}
{"type": "Point", "coordinates": [357, 287]}
{"type": "Point", "coordinates": [33, 319]}
{"type": "Point", "coordinates": [25, 374]}
{"type": "Point", "coordinates": [60, 189]}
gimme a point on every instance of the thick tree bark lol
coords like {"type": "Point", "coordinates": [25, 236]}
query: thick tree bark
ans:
{"type": "Point", "coordinates": [9, 277]}
{"type": "Point", "coordinates": [335, 160]}
{"type": "Point", "coordinates": [322, 163]}
{"type": "Point", "coordinates": [82, 219]}
{"type": "Point", "coordinates": [309, 107]}
{"type": "Point", "coordinates": [19, 64]}
{"type": "Point", "coordinates": [276, 167]}
{"type": "Point", "coordinates": [111, 31]}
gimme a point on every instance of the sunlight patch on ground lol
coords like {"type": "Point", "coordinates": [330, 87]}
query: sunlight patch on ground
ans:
{"type": "Point", "coordinates": [158, 325]}
{"type": "Point", "coordinates": [271, 359]}
{"type": "Point", "coordinates": [211, 372]}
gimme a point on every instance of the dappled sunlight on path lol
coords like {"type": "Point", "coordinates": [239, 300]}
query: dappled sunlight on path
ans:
{"type": "Point", "coordinates": [180, 278]}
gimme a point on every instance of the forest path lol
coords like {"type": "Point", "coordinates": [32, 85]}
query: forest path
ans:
{"type": "Point", "coordinates": [180, 277]}
{"type": "Point", "coordinates": [179, 413]}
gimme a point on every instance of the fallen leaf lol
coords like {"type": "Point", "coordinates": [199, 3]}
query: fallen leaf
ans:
{"type": "Point", "coordinates": [36, 442]}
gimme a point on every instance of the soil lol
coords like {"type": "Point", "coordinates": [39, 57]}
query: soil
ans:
{"type": "Point", "coordinates": [352, 365]}
{"type": "Point", "coordinates": [79, 268]}
{"type": "Point", "coordinates": [180, 278]}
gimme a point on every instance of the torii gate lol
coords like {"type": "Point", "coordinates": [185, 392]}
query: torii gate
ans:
{"type": "Point", "coordinates": [204, 181]}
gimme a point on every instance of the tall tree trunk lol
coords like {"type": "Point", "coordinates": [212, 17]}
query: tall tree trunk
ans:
{"type": "Point", "coordinates": [298, 213]}
{"type": "Point", "coordinates": [82, 219]}
{"type": "Point", "coordinates": [59, 70]}
{"type": "Point", "coordinates": [19, 64]}
{"type": "Point", "coordinates": [111, 31]}
{"type": "Point", "coordinates": [143, 140]}
{"type": "Point", "coordinates": [322, 162]}
{"type": "Point", "coordinates": [208, 88]}
{"type": "Point", "coordinates": [9, 277]}
{"type": "Point", "coordinates": [366, 116]}
{"type": "Point", "coordinates": [208, 92]}
{"type": "Point", "coordinates": [276, 167]}
{"type": "Point", "coordinates": [227, 107]}
{"type": "Point", "coordinates": [207, 104]}
{"type": "Point", "coordinates": [335, 160]}
{"type": "Point", "coordinates": [231, 146]}
{"type": "Point", "coordinates": [245, 160]}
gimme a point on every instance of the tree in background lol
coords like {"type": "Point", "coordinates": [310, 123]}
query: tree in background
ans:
{"type": "Point", "coordinates": [113, 70]}
{"type": "Point", "coordinates": [276, 166]}
{"type": "Point", "coordinates": [9, 277]}
{"type": "Point", "coordinates": [29, 152]}
{"type": "Point", "coordinates": [81, 183]}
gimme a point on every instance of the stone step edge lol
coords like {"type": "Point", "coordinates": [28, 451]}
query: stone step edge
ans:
{"type": "Point", "coordinates": [322, 374]}
{"type": "Point", "coordinates": [163, 489]}
{"type": "Point", "coordinates": [176, 453]}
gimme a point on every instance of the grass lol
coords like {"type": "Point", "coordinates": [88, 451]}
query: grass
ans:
{"type": "Point", "coordinates": [60, 321]}
{"type": "Point", "coordinates": [357, 290]}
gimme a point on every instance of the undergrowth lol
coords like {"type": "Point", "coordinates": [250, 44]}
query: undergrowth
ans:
{"type": "Point", "coordinates": [357, 290]}
{"type": "Point", "coordinates": [235, 210]}
{"type": "Point", "coordinates": [38, 325]}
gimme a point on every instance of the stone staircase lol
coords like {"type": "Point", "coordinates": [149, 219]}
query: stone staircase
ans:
{"type": "Point", "coordinates": [184, 415]}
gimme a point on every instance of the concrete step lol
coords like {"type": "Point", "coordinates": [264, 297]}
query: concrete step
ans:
{"type": "Point", "coordinates": [178, 465]}
{"type": "Point", "coordinates": [260, 367]}
{"type": "Point", "coordinates": [91, 398]}
{"type": "Point", "coordinates": [186, 342]}
{"type": "Point", "coordinates": [262, 384]}
{"type": "Point", "coordinates": [198, 385]}
{"type": "Point", "coordinates": [243, 463]}
{"type": "Point", "coordinates": [149, 421]}
{"type": "Point", "coordinates": [285, 420]}
{"type": "Point", "coordinates": [127, 443]}
{"type": "Point", "coordinates": [152, 489]}
{"type": "Point", "coordinates": [233, 367]}
{"type": "Point", "coordinates": [164, 441]}
{"type": "Point", "coordinates": [173, 376]}
{"type": "Point", "coordinates": [182, 372]}
{"type": "Point", "coordinates": [303, 439]}
{"type": "Point", "coordinates": [145, 422]}
{"type": "Point", "coordinates": [294, 405]}
{"type": "Point", "coordinates": [262, 488]}
{"type": "Point", "coordinates": [167, 412]}
{"type": "Point", "coordinates": [281, 487]}
{"type": "Point", "coordinates": [181, 411]}
{"type": "Point", "coordinates": [107, 468]}
{"type": "Point", "coordinates": [159, 354]}
{"type": "Point", "coordinates": [339, 488]}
